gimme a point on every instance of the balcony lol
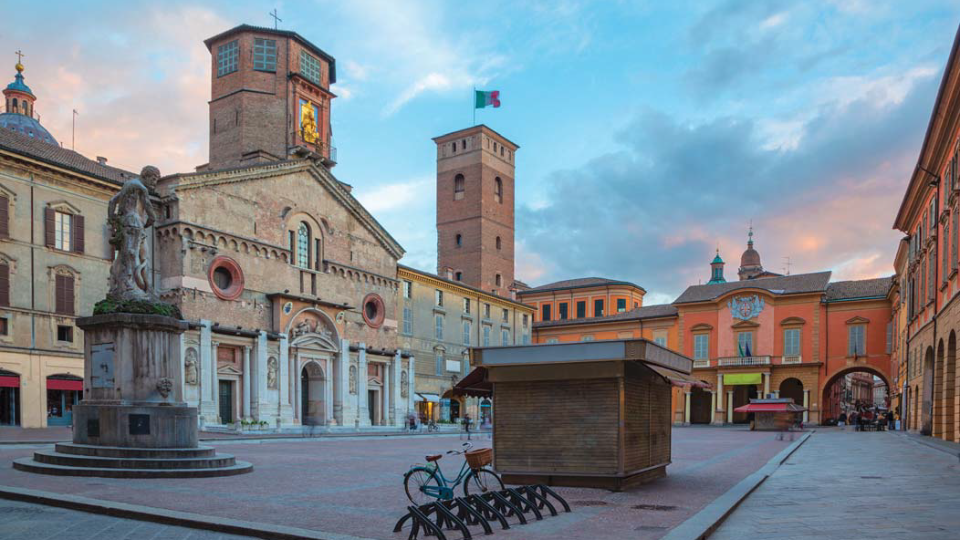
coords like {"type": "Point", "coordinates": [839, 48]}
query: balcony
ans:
{"type": "Point", "coordinates": [744, 361]}
{"type": "Point", "coordinates": [792, 360]}
{"type": "Point", "coordinates": [701, 363]}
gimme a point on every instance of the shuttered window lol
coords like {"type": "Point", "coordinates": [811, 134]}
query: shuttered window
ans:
{"type": "Point", "coordinates": [791, 342]}
{"type": "Point", "coordinates": [956, 239]}
{"type": "Point", "coordinates": [486, 336]}
{"type": "Point", "coordinates": [4, 217]}
{"type": "Point", "coordinates": [701, 346]}
{"type": "Point", "coordinates": [407, 321]}
{"type": "Point", "coordinates": [64, 295]}
{"type": "Point", "coordinates": [889, 337]}
{"type": "Point", "coordinates": [945, 257]}
{"type": "Point", "coordinates": [4, 285]}
{"type": "Point", "coordinates": [439, 334]}
{"type": "Point", "coordinates": [504, 337]}
{"type": "Point", "coordinates": [856, 340]}
{"type": "Point", "coordinates": [466, 334]}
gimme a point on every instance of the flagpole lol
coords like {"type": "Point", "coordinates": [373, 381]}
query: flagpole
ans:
{"type": "Point", "coordinates": [474, 105]}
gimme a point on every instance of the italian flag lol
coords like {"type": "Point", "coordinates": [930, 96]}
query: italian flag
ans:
{"type": "Point", "coordinates": [486, 99]}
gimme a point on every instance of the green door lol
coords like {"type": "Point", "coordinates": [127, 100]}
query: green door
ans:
{"type": "Point", "coordinates": [226, 402]}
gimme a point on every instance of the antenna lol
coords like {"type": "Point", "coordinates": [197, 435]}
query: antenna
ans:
{"type": "Point", "coordinates": [786, 265]}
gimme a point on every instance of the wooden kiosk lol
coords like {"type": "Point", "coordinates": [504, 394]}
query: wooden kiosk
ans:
{"type": "Point", "coordinates": [589, 414]}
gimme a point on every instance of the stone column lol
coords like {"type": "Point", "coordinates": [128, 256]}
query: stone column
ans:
{"type": "Point", "coordinates": [327, 393]}
{"type": "Point", "coordinates": [686, 409]}
{"type": "Point", "coordinates": [411, 369]}
{"type": "Point", "coordinates": [298, 388]}
{"type": "Point", "coordinates": [341, 386]}
{"type": "Point", "coordinates": [729, 406]}
{"type": "Point", "coordinates": [766, 385]}
{"type": "Point", "coordinates": [363, 412]}
{"type": "Point", "coordinates": [208, 409]}
{"type": "Point", "coordinates": [806, 405]}
{"type": "Point", "coordinates": [719, 401]}
{"type": "Point", "coordinates": [214, 387]}
{"type": "Point", "coordinates": [246, 382]}
{"type": "Point", "coordinates": [713, 407]}
{"type": "Point", "coordinates": [286, 409]}
{"type": "Point", "coordinates": [260, 399]}
{"type": "Point", "coordinates": [399, 415]}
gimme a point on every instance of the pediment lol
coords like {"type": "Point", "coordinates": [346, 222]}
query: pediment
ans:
{"type": "Point", "coordinates": [745, 324]}
{"type": "Point", "coordinates": [228, 369]}
{"type": "Point", "coordinates": [702, 327]}
{"type": "Point", "coordinates": [65, 207]}
{"type": "Point", "coordinates": [792, 321]}
{"type": "Point", "coordinates": [858, 320]}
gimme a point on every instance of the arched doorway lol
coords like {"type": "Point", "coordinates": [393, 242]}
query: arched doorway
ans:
{"type": "Point", "coordinates": [792, 388]}
{"type": "Point", "coordinates": [861, 388]}
{"type": "Point", "coordinates": [9, 398]}
{"type": "Point", "coordinates": [63, 392]}
{"type": "Point", "coordinates": [312, 402]}
{"type": "Point", "coordinates": [700, 406]}
{"type": "Point", "coordinates": [950, 390]}
{"type": "Point", "coordinates": [926, 412]}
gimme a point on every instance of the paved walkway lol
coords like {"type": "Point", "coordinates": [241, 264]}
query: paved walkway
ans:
{"type": "Point", "coordinates": [843, 484]}
{"type": "Point", "coordinates": [38, 522]}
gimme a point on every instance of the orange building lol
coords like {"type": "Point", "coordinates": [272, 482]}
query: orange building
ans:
{"type": "Point", "coordinates": [583, 298]}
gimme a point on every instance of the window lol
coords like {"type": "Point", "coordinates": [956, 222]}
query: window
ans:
{"type": "Point", "coordinates": [499, 280]}
{"type": "Point", "coordinates": [621, 305]}
{"type": "Point", "coordinates": [458, 187]}
{"type": "Point", "coordinates": [407, 289]}
{"type": "Point", "coordinates": [466, 305]}
{"type": "Point", "coordinates": [439, 332]}
{"type": "Point", "coordinates": [553, 340]}
{"type": "Point", "coordinates": [598, 308]}
{"type": "Point", "coordinates": [498, 243]}
{"type": "Point", "coordinates": [4, 216]}
{"type": "Point", "coordinates": [62, 230]}
{"type": "Point", "coordinates": [222, 278]}
{"type": "Point", "coordinates": [562, 311]}
{"type": "Point", "coordinates": [407, 321]}
{"type": "Point", "coordinates": [458, 276]}
{"type": "Point", "coordinates": [439, 367]}
{"type": "Point", "coordinates": [856, 340]}
{"type": "Point", "coordinates": [486, 311]}
{"type": "Point", "coordinates": [505, 315]}
{"type": "Point", "coordinates": [303, 246]}
{"type": "Point", "coordinates": [64, 295]}
{"type": "Point", "coordinates": [791, 342]}
{"type": "Point", "coordinates": [374, 310]}
{"type": "Point", "coordinates": [661, 341]}
{"type": "Point", "coordinates": [265, 54]}
{"type": "Point", "coordinates": [310, 67]}
{"type": "Point", "coordinates": [228, 58]}
{"type": "Point", "coordinates": [439, 297]}
{"type": "Point", "coordinates": [581, 309]}
{"type": "Point", "coordinates": [486, 336]}
{"type": "Point", "coordinates": [459, 240]}
{"type": "Point", "coordinates": [589, 337]}
{"type": "Point", "coordinates": [945, 258]}
{"type": "Point", "coordinates": [466, 333]}
{"type": "Point", "coordinates": [4, 327]}
{"type": "Point", "coordinates": [524, 320]}
{"type": "Point", "coordinates": [745, 343]}
{"type": "Point", "coordinates": [526, 339]}
{"type": "Point", "coordinates": [4, 284]}
{"type": "Point", "coordinates": [545, 312]}
{"type": "Point", "coordinates": [498, 190]}
{"type": "Point", "coordinates": [889, 348]}
{"type": "Point", "coordinates": [701, 346]}
{"type": "Point", "coordinates": [504, 337]}
{"type": "Point", "coordinates": [65, 334]}
{"type": "Point", "coordinates": [956, 239]}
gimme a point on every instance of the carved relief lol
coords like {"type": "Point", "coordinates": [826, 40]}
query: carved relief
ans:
{"type": "Point", "coordinates": [191, 367]}
{"type": "Point", "coordinates": [404, 384]}
{"type": "Point", "coordinates": [272, 368]}
{"type": "Point", "coordinates": [164, 386]}
{"type": "Point", "coordinates": [353, 379]}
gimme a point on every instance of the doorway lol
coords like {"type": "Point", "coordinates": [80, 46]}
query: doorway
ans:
{"type": "Point", "coordinates": [792, 388]}
{"type": "Point", "coordinates": [312, 404]}
{"type": "Point", "coordinates": [373, 406]}
{"type": "Point", "coordinates": [742, 394]}
{"type": "Point", "coordinates": [9, 398]}
{"type": "Point", "coordinates": [226, 402]}
{"type": "Point", "coordinates": [700, 402]}
{"type": "Point", "coordinates": [63, 392]}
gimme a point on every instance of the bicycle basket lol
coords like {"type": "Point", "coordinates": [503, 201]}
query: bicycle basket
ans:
{"type": "Point", "coordinates": [477, 459]}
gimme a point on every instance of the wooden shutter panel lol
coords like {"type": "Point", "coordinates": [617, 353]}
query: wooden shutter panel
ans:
{"type": "Point", "coordinates": [4, 217]}
{"type": "Point", "coordinates": [68, 292]}
{"type": "Point", "coordinates": [50, 227]}
{"type": "Point", "coordinates": [77, 233]}
{"type": "Point", "coordinates": [59, 295]}
{"type": "Point", "coordinates": [5, 285]}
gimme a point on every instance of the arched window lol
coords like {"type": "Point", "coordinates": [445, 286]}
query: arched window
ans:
{"type": "Point", "coordinates": [459, 240]}
{"type": "Point", "coordinates": [498, 243]}
{"type": "Point", "coordinates": [15, 109]}
{"type": "Point", "coordinates": [498, 190]}
{"type": "Point", "coordinates": [303, 246]}
{"type": "Point", "coordinates": [458, 187]}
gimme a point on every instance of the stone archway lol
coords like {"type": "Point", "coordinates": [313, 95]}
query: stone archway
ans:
{"type": "Point", "coordinates": [829, 397]}
{"type": "Point", "coordinates": [926, 412]}
{"type": "Point", "coordinates": [792, 388]}
{"type": "Point", "coordinates": [313, 400]}
{"type": "Point", "coordinates": [950, 390]}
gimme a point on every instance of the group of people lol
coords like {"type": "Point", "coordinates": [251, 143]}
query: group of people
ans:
{"type": "Point", "coordinates": [861, 417]}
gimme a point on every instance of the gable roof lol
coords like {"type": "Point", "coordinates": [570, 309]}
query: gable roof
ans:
{"type": "Point", "coordinates": [579, 283]}
{"type": "Point", "coordinates": [636, 314]}
{"type": "Point", "coordinates": [793, 284]}
{"type": "Point", "coordinates": [859, 289]}
{"type": "Point", "coordinates": [58, 156]}
{"type": "Point", "coordinates": [275, 32]}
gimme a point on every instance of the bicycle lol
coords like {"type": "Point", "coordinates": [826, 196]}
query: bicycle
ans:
{"type": "Point", "coordinates": [425, 483]}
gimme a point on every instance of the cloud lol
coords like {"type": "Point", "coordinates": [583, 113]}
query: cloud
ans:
{"type": "Point", "coordinates": [388, 197]}
{"type": "Point", "coordinates": [653, 211]}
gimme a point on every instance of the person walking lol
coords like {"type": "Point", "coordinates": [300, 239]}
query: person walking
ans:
{"type": "Point", "coordinates": [853, 419]}
{"type": "Point", "coordinates": [842, 421]}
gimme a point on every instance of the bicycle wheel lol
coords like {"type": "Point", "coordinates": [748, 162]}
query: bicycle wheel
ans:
{"type": "Point", "coordinates": [422, 485]}
{"type": "Point", "coordinates": [482, 481]}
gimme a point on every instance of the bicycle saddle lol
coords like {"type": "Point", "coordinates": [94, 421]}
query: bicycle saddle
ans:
{"type": "Point", "coordinates": [433, 458]}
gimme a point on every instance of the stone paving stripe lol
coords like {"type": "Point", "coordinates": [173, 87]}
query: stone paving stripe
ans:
{"type": "Point", "coordinates": [169, 517]}
{"type": "Point", "coordinates": [701, 524]}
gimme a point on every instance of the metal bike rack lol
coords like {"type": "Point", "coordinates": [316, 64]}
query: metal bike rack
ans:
{"type": "Point", "coordinates": [461, 513]}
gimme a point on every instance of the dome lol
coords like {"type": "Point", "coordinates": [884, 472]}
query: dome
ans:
{"type": "Point", "coordinates": [28, 126]}
{"type": "Point", "coordinates": [750, 258]}
{"type": "Point", "coordinates": [717, 259]}
{"type": "Point", "coordinates": [18, 84]}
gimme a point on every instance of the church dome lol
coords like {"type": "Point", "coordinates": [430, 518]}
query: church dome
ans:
{"type": "Point", "coordinates": [750, 257]}
{"type": "Point", "coordinates": [28, 126]}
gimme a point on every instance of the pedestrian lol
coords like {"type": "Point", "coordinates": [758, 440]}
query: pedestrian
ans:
{"type": "Point", "coordinates": [466, 422]}
{"type": "Point", "coordinates": [842, 421]}
{"type": "Point", "coordinates": [890, 420]}
{"type": "Point", "coordinates": [853, 419]}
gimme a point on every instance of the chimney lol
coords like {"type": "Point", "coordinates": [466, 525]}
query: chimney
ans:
{"type": "Point", "coordinates": [101, 160]}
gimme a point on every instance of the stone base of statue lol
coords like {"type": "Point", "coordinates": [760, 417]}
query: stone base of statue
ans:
{"type": "Point", "coordinates": [133, 422]}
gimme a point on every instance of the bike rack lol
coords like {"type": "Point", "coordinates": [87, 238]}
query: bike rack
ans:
{"type": "Point", "coordinates": [461, 513]}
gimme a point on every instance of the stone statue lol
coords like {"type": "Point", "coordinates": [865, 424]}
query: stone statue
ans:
{"type": "Point", "coordinates": [303, 327]}
{"type": "Point", "coordinates": [353, 379]}
{"type": "Point", "coordinates": [129, 214]}
{"type": "Point", "coordinates": [190, 368]}
{"type": "Point", "coordinates": [404, 384]}
{"type": "Point", "coordinates": [272, 367]}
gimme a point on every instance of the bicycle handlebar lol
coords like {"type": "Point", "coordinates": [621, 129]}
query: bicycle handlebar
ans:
{"type": "Point", "coordinates": [467, 447]}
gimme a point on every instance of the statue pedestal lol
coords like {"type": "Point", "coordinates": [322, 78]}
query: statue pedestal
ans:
{"type": "Point", "coordinates": [133, 421]}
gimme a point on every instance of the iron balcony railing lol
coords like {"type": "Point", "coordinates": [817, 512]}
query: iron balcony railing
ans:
{"type": "Point", "coordinates": [744, 361]}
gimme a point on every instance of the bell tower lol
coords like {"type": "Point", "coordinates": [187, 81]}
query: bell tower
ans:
{"type": "Point", "coordinates": [475, 208]}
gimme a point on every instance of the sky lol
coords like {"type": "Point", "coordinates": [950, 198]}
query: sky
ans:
{"type": "Point", "coordinates": [651, 133]}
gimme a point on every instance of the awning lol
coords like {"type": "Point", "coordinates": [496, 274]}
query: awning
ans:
{"type": "Point", "coordinates": [769, 407]}
{"type": "Point", "coordinates": [9, 382]}
{"type": "Point", "coordinates": [432, 398]}
{"type": "Point", "coordinates": [677, 378]}
{"type": "Point", "coordinates": [65, 384]}
{"type": "Point", "coordinates": [475, 384]}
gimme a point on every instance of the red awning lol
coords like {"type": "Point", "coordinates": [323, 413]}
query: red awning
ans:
{"type": "Point", "coordinates": [65, 384]}
{"type": "Point", "coordinates": [769, 407]}
{"type": "Point", "coordinates": [9, 382]}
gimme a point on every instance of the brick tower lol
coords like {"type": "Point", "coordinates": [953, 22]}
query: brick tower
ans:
{"type": "Point", "coordinates": [270, 98]}
{"type": "Point", "coordinates": [475, 209]}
